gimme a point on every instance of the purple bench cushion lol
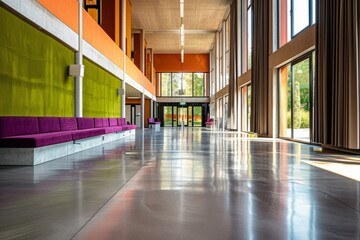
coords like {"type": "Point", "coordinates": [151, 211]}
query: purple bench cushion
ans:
{"type": "Point", "coordinates": [85, 133]}
{"type": "Point", "coordinates": [12, 126]}
{"type": "Point", "coordinates": [130, 127]}
{"type": "Point", "coordinates": [49, 124]}
{"type": "Point", "coordinates": [105, 122]}
{"type": "Point", "coordinates": [98, 122]}
{"type": "Point", "coordinates": [68, 124]}
{"type": "Point", "coordinates": [85, 123]}
{"type": "Point", "coordinates": [36, 140]}
{"type": "Point", "coordinates": [113, 129]}
{"type": "Point", "coordinates": [121, 121]}
{"type": "Point", "coordinates": [113, 122]}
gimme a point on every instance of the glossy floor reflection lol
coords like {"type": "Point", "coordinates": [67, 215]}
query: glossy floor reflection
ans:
{"type": "Point", "coordinates": [174, 184]}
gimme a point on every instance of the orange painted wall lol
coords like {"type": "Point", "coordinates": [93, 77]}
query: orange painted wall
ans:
{"type": "Point", "coordinates": [172, 63]}
{"type": "Point", "coordinates": [128, 28]}
{"type": "Point", "coordinates": [67, 12]}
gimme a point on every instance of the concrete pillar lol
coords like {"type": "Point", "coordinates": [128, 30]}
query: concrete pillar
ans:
{"type": "Point", "coordinates": [151, 108]}
{"type": "Point", "coordinates": [142, 51]}
{"type": "Point", "coordinates": [142, 118]}
{"type": "Point", "coordinates": [79, 60]}
{"type": "Point", "coordinates": [123, 47]}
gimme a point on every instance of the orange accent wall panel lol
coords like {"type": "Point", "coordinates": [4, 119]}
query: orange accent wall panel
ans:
{"type": "Point", "coordinates": [128, 28]}
{"type": "Point", "coordinates": [172, 63]}
{"type": "Point", "coordinates": [138, 76]}
{"type": "Point", "coordinates": [66, 11]}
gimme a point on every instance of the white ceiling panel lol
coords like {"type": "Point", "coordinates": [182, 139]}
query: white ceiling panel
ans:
{"type": "Point", "coordinates": [161, 21]}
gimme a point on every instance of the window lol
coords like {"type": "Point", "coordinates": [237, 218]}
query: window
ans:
{"type": "Point", "coordinates": [221, 64]}
{"type": "Point", "coordinates": [165, 84]}
{"type": "Point", "coordinates": [198, 84]}
{"type": "Point", "coordinates": [249, 33]}
{"type": "Point", "coordinates": [187, 84]}
{"type": "Point", "coordinates": [294, 16]}
{"type": "Point", "coordinates": [182, 84]}
{"type": "Point", "coordinates": [227, 51]}
{"type": "Point", "coordinates": [176, 83]}
{"type": "Point", "coordinates": [212, 74]}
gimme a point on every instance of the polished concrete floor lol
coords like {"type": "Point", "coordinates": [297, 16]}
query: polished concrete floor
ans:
{"type": "Point", "coordinates": [174, 184]}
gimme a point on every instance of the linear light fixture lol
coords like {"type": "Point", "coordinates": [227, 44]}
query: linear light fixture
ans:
{"type": "Point", "coordinates": [182, 30]}
{"type": "Point", "coordinates": [181, 8]}
{"type": "Point", "coordinates": [182, 55]}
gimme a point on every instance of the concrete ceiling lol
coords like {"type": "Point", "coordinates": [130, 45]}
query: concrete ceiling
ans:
{"type": "Point", "coordinates": [161, 21]}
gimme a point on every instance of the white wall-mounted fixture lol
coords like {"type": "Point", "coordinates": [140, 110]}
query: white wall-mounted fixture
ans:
{"type": "Point", "coordinates": [76, 70]}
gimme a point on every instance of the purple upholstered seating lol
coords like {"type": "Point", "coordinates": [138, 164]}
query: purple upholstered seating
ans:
{"type": "Point", "coordinates": [28, 132]}
{"type": "Point", "coordinates": [125, 126]}
{"type": "Point", "coordinates": [86, 129]}
{"type": "Point", "coordinates": [114, 126]}
{"type": "Point", "coordinates": [98, 122]}
{"type": "Point", "coordinates": [68, 124]}
{"type": "Point", "coordinates": [104, 124]}
{"type": "Point", "coordinates": [13, 126]}
{"type": "Point", "coordinates": [80, 127]}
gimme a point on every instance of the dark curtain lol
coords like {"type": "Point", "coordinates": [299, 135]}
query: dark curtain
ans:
{"type": "Point", "coordinates": [259, 69]}
{"type": "Point", "coordinates": [233, 88]}
{"type": "Point", "coordinates": [336, 102]}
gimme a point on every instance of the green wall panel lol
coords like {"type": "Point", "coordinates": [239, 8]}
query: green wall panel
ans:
{"type": "Point", "coordinates": [100, 98]}
{"type": "Point", "coordinates": [33, 71]}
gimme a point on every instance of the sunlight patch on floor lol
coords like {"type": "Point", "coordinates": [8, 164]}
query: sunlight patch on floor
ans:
{"type": "Point", "coordinates": [344, 169]}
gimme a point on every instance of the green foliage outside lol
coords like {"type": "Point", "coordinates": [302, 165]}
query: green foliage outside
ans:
{"type": "Point", "coordinates": [301, 95]}
{"type": "Point", "coordinates": [191, 83]}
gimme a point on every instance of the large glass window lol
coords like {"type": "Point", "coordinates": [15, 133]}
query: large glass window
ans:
{"type": "Point", "coordinates": [294, 16]}
{"type": "Point", "coordinates": [227, 51]}
{"type": "Point", "coordinates": [187, 84]}
{"type": "Point", "coordinates": [176, 84]}
{"type": "Point", "coordinates": [182, 84]}
{"type": "Point", "coordinates": [221, 63]}
{"type": "Point", "coordinates": [249, 33]}
{"type": "Point", "coordinates": [165, 84]}
{"type": "Point", "coordinates": [198, 84]}
{"type": "Point", "coordinates": [295, 83]}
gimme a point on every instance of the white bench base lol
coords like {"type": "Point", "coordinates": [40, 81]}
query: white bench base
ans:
{"type": "Point", "coordinates": [156, 126]}
{"type": "Point", "coordinates": [35, 156]}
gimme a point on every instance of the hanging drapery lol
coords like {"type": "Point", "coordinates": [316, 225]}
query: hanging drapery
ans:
{"type": "Point", "coordinates": [336, 102]}
{"type": "Point", "coordinates": [259, 69]}
{"type": "Point", "coordinates": [233, 89]}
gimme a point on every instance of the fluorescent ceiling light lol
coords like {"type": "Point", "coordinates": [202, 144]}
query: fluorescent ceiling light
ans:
{"type": "Point", "coordinates": [133, 97]}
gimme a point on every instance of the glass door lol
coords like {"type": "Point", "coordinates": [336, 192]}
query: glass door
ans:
{"type": "Point", "coordinates": [168, 116]}
{"type": "Point", "coordinates": [245, 108]}
{"type": "Point", "coordinates": [190, 116]}
{"type": "Point", "coordinates": [197, 116]}
{"type": "Point", "coordinates": [295, 99]}
{"type": "Point", "coordinates": [182, 115]}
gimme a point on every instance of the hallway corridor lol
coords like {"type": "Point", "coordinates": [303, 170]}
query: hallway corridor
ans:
{"type": "Point", "coordinates": [174, 184]}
